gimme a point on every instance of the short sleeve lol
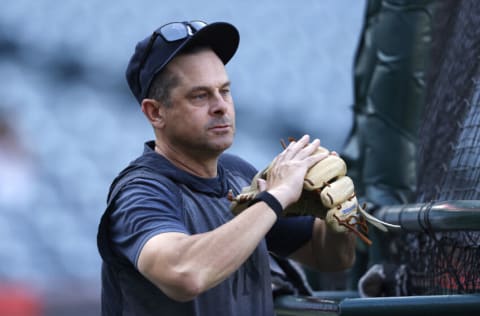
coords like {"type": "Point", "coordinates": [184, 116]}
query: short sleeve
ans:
{"type": "Point", "coordinates": [144, 208]}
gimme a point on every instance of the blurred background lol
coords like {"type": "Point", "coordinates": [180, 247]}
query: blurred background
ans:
{"type": "Point", "coordinates": [68, 123]}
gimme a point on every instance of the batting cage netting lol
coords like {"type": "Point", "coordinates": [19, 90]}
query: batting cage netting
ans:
{"type": "Point", "coordinates": [416, 138]}
{"type": "Point", "coordinates": [449, 155]}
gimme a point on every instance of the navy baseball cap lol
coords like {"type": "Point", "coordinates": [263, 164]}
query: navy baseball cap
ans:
{"type": "Point", "coordinates": [154, 52]}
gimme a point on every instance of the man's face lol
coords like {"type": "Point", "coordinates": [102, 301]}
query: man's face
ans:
{"type": "Point", "coordinates": [201, 120]}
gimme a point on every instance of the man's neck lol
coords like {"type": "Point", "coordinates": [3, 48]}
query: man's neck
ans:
{"type": "Point", "coordinates": [192, 163]}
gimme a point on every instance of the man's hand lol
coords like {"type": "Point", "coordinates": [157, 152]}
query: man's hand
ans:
{"type": "Point", "coordinates": [287, 172]}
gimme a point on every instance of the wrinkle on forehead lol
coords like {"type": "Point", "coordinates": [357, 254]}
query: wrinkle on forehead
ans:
{"type": "Point", "coordinates": [202, 68]}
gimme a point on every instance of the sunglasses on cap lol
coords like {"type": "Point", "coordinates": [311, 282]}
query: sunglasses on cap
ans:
{"type": "Point", "coordinates": [172, 32]}
{"type": "Point", "coordinates": [178, 30]}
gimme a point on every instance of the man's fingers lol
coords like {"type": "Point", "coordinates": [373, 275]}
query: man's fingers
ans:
{"type": "Point", "coordinates": [313, 159]}
{"type": "Point", "coordinates": [302, 150]}
{"type": "Point", "coordinates": [295, 147]}
{"type": "Point", "coordinates": [309, 149]}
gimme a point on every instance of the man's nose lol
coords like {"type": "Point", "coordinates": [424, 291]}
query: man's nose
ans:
{"type": "Point", "coordinates": [219, 104]}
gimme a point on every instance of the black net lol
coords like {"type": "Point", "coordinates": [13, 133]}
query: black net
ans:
{"type": "Point", "coordinates": [449, 144]}
{"type": "Point", "coordinates": [449, 155]}
{"type": "Point", "coordinates": [442, 263]}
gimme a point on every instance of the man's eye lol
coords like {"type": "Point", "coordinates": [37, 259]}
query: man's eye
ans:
{"type": "Point", "coordinates": [199, 96]}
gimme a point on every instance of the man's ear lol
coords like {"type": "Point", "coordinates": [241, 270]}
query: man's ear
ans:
{"type": "Point", "coordinates": [154, 111]}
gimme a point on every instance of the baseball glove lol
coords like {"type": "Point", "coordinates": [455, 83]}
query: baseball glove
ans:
{"type": "Point", "coordinates": [328, 193]}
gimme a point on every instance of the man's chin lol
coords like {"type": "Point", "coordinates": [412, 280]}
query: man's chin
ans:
{"type": "Point", "coordinates": [220, 145]}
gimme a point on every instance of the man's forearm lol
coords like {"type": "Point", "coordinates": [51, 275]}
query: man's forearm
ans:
{"type": "Point", "coordinates": [340, 248]}
{"type": "Point", "coordinates": [184, 266]}
{"type": "Point", "coordinates": [327, 250]}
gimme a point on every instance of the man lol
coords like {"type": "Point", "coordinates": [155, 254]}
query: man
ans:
{"type": "Point", "coordinates": [169, 243]}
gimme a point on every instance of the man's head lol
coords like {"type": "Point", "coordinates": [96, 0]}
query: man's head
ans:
{"type": "Point", "coordinates": [154, 52]}
{"type": "Point", "coordinates": [178, 76]}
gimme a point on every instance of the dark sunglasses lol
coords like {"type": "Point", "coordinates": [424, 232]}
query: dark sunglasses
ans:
{"type": "Point", "coordinates": [178, 30]}
{"type": "Point", "coordinates": [171, 32]}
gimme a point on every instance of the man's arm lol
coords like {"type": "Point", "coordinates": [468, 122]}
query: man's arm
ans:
{"type": "Point", "coordinates": [327, 250]}
{"type": "Point", "coordinates": [183, 266]}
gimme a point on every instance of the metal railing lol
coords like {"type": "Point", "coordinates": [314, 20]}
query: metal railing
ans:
{"type": "Point", "coordinates": [438, 305]}
{"type": "Point", "coordinates": [462, 215]}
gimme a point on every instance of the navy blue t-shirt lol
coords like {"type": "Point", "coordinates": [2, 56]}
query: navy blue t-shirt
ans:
{"type": "Point", "coordinates": [156, 197]}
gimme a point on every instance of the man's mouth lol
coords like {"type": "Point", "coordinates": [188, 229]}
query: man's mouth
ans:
{"type": "Point", "coordinates": [220, 127]}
